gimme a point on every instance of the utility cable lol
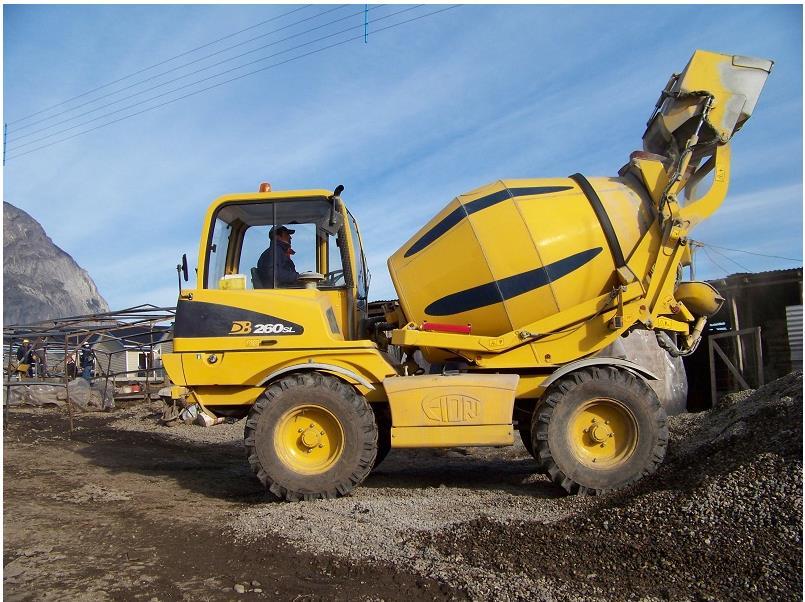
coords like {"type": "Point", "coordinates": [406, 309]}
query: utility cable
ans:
{"type": "Point", "coordinates": [139, 102]}
{"type": "Point", "coordinates": [728, 258]}
{"type": "Point", "coordinates": [752, 253]}
{"type": "Point", "coordinates": [719, 266]}
{"type": "Point", "coordinates": [144, 69]}
{"type": "Point", "coordinates": [195, 92]}
{"type": "Point", "coordinates": [158, 75]}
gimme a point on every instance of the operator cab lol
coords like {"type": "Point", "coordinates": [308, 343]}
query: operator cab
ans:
{"type": "Point", "coordinates": [309, 232]}
{"type": "Point", "coordinates": [286, 240]}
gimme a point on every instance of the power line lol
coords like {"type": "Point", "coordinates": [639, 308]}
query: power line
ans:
{"type": "Point", "coordinates": [62, 131]}
{"type": "Point", "coordinates": [158, 75]}
{"type": "Point", "coordinates": [341, 43]}
{"type": "Point", "coordinates": [728, 258]}
{"type": "Point", "coordinates": [197, 81]}
{"type": "Point", "coordinates": [144, 69]}
{"type": "Point", "coordinates": [753, 253]}
{"type": "Point", "coordinates": [710, 257]}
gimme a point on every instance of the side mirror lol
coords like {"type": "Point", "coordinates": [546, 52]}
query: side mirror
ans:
{"type": "Point", "coordinates": [181, 270]}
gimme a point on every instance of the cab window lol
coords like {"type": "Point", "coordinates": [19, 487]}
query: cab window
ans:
{"type": "Point", "coordinates": [362, 272]}
{"type": "Point", "coordinates": [257, 245]}
{"type": "Point", "coordinates": [216, 250]}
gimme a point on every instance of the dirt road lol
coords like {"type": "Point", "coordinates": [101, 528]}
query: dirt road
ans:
{"type": "Point", "coordinates": [128, 509]}
{"type": "Point", "coordinates": [127, 515]}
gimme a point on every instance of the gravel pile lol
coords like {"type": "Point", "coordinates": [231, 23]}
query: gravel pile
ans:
{"type": "Point", "coordinates": [721, 520]}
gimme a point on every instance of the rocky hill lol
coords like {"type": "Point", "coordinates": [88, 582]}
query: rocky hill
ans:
{"type": "Point", "coordinates": [40, 281]}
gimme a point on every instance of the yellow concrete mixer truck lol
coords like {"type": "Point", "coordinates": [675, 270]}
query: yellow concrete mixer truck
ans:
{"type": "Point", "coordinates": [553, 307]}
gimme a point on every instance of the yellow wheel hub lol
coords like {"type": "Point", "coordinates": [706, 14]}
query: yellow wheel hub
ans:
{"type": "Point", "coordinates": [603, 433]}
{"type": "Point", "coordinates": [309, 439]}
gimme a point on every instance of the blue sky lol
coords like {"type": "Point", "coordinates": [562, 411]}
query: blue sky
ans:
{"type": "Point", "coordinates": [421, 113]}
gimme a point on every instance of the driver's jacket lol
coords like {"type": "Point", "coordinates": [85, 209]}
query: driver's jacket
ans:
{"type": "Point", "coordinates": [286, 270]}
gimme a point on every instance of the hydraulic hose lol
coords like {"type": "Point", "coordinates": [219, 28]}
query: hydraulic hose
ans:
{"type": "Point", "coordinates": [666, 343]}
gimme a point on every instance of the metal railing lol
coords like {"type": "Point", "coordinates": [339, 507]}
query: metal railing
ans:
{"type": "Point", "coordinates": [714, 350]}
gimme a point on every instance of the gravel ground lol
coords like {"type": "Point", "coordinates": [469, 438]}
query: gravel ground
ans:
{"type": "Point", "coordinates": [145, 419]}
{"type": "Point", "coordinates": [117, 514]}
{"type": "Point", "coordinates": [412, 492]}
{"type": "Point", "coordinates": [722, 518]}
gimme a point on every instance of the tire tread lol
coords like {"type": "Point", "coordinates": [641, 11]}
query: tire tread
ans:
{"type": "Point", "coordinates": [367, 426]}
{"type": "Point", "coordinates": [545, 410]}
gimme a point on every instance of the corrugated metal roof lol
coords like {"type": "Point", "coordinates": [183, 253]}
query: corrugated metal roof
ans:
{"type": "Point", "coordinates": [133, 335]}
{"type": "Point", "coordinates": [793, 318]}
{"type": "Point", "coordinates": [791, 270]}
{"type": "Point", "coordinates": [773, 277]}
{"type": "Point", "coordinates": [788, 272]}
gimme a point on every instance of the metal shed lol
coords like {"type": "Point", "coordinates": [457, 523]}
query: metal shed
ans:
{"type": "Point", "coordinates": [758, 331]}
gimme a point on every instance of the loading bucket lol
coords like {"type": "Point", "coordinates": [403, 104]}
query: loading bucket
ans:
{"type": "Point", "coordinates": [734, 83]}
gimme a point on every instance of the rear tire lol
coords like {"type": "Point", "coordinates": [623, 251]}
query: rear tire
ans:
{"type": "Point", "coordinates": [310, 436]}
{"type": "Point", "coordinates": [598, 429]}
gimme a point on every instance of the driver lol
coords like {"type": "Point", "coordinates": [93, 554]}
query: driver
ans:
{"type": "Point", "coordinates": [279, 238]}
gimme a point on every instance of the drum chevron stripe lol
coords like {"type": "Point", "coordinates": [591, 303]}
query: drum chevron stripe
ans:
{"type": "Point", "coordinates": [462, 211]}
{"type": "Point", "coordinates": [498, 291]}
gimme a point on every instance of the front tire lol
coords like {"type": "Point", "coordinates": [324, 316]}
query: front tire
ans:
{"type": "Point", "coordinates": [310, 436]}
{"type": "Point", "coordinates": [598, 429]}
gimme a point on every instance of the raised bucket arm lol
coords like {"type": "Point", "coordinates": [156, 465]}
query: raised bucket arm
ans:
{"type": "Point", "coordinates": [696, 116]}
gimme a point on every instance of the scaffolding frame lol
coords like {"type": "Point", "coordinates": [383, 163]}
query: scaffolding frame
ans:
{"type": "Point", "coordinates": [68, 335]}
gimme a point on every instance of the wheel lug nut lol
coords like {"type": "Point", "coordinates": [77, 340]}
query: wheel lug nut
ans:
{"type": "Point", "coordinates": [300, 430]}
{"type": "Point", "coordinates": [321, 432]}
{"type": "Point", "coordinates": [312, 425]}
{"type": "Point", "coordinates": [321, 444]}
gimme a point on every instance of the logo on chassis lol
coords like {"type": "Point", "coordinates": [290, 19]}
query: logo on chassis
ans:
{"type": "Point", "coordinates": [453, 409]}
{"type": "Point", "coordinates": [245, 327]}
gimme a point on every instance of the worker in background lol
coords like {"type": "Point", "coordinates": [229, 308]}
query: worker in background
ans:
{"type": "Point", "coordinates": [25, 356]}
{"type": "Point", "coordinates": [87, 359]}
{"type": "Point", "coordinates": [70, 367]}
{"type": "Point", "coordinates": [279, 245]}
{"type": "Point", "coordinates": [40, 356]}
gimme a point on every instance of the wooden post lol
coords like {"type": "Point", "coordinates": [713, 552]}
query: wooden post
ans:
{"type": "Point", "coordinates": [759, 357]}
{"type": "Point", "coordinates": [739, 350]}
{"type": "Point", "coordinates": [106, 382]}
{"type": "Point", "coordinates": [8, 383]}
{"type": "Point", "coordinates": [713, 388]}
{"type": "Point", "coordinates": [67, 387]}
{"type": "Point", "coordinates": [147, 393]}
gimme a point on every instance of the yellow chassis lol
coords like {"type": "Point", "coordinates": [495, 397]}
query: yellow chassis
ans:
{"type": "Point", "coordinates": [234, 378]}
